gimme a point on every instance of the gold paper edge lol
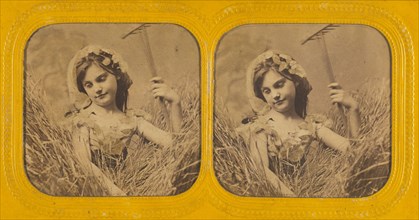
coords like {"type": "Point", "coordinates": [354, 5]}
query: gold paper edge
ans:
{"type": "Point", "coordinates": [207, 31]}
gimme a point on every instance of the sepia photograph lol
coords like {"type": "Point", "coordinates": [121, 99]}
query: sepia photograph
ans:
{"type": "Point", "coordinates": [112, 109]}
{"type": "Point", "coordinates": [302, 110]}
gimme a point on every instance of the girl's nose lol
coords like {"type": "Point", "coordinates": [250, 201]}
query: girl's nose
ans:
{"type": "Point", "coordinates": [276, 95]}
{"type": "Point", "coordinates": [98, 89]}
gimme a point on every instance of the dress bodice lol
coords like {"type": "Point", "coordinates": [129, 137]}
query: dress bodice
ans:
{"type": "Point", "coordinates": [108, 144]}
{"type": "Point", "coordinates": [292, 146]}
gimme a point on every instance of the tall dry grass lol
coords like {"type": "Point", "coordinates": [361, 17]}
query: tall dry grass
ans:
{"type": "Point", "coordinates": [360, 172]}
{"type": "Point", "coordinates": [150, 170]}
{"type": "Point", "coordinates": [234, 169]}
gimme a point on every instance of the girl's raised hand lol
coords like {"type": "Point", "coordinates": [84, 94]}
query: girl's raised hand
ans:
{"type": "Point", "coordinates": [338, 95]}
{"type": "Point", "coordinates": [171, 100]}
{"type": "Point", "coordinates": [160, 89]}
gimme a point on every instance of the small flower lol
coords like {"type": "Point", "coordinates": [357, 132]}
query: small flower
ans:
{"type": "Point", "coordinates": [93, 49]}
{"type": "Point", "coordinates": [286, 57]}
{"type": "Point", "coordinates": [106, 61]}
{"type": "Point", "coordinates": [297, 70]}
{"type": "Point", "coordinates": [302, 133]}
{"type": "Point", "coordinates": [122, 64]}
{"type": "Point", "coordinates": [268, 55]}
{"type": "Point", "coordinates": [276, 59]}
{"type": "Point", "coordinates": [296, 153]}
{"type": "Point", "coordinates": [282, 66]}
{"type": "Point", "coordinates": [272, 149]}
{"type": "Point", "coordinates": [116, 58]}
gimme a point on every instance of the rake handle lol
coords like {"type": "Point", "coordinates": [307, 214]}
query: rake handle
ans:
{"type": "Point", "coordinates": [150, 61]}
{"type": "Point", "coordinates": [152, 66]}
{"type": "Point", "coordinates": [331, 76]}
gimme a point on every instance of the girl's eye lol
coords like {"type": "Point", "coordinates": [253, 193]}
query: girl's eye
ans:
{"type": "Point", "coordinates": [279, 84]}
{"type": "Point", "coordinates": [101, 78]}
{"type": "Point", "coordinates": [266, 91]}
{"type": "Point", "coordinates": [88, 85]}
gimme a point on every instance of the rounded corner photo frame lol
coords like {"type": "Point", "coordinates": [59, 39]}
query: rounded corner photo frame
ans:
{"type": "Point", "coordinates": [290, 157]}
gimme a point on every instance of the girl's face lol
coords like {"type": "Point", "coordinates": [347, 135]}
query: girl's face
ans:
{"type": "Point", "coordinates": [100, 86]}
{"type": "Point", "coordinates": [279, 92]}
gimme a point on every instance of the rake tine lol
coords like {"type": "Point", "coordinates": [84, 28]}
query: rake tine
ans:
{"type": "Point", "coordinates": [136, 30]}
{"type": "Point", "coordinates": [320, 32]}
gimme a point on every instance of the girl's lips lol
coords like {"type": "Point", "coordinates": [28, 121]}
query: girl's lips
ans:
{"type": "Point", "coordinates": [279, 102]}
{"type": "Point", "coordinates": [101, 95]}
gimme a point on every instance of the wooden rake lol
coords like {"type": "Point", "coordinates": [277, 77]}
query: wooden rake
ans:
{"type": "Point", "coordinates": [142, 29]}
{"type": "Point", "coordinates": [319, 37]}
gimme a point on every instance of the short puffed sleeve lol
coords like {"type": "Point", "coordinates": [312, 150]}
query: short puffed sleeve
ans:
{"type": "Point", "coordinates": [317, 121]}
{"type": "Point", "coordinates": [79, 119]}
{"type": "Point", "coordinates": [254, 126]}
{"type": "Point", "coordinates": [138, 113]}
{"type": "Point", "coordinates": [139, 117]}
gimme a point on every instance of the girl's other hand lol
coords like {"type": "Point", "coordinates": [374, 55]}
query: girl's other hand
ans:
{"type": "Point", "coordinates": [338, 95]}
{"type": "Point", "coordinates": [160, 89]}
{"type": "Point", "coordinates": [279, 185]}
{"type": "Point", "coordinates": [116, 191]}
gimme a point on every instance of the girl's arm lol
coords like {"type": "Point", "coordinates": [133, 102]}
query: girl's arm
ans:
{"type": "Point", "coordinates": [259, 154]}
{"type": "Point", "coordinates": [337, 95]}
{"type": "Point", "coordinates": [154, 134]}
{"type": "Point", "coordinates": [354, 121]}
{"type": "Point", "coordinates": [175, 115]}
{"type": "Point", "coordinates": [331, 139]}
{"type": "Point", "coordinates": [82, 151]}
{"type": "Point", "coordinates": [159, 89]}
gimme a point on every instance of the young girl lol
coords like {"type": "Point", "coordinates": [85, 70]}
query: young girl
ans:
{"type": "Point", "coordinates": [281, 131]}
{"type": "Point", "coordinates": [103, 126]}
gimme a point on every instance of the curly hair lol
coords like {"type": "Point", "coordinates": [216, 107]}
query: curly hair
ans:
{"type": "Point", "coordinates": [302, 86]}
{"type": "Point", "coordinates": [106, 60]}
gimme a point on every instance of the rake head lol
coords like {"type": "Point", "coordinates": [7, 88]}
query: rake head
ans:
{"type": "Point", "coordinates": [320, 33]}
{"type": "Point", "coordinates": [136, 30]}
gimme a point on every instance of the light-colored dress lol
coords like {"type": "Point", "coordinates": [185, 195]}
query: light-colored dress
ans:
{"type": "Point", "coordinates": [287, 153]}
{"type": "Point", "coordinates": [108, 148]}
